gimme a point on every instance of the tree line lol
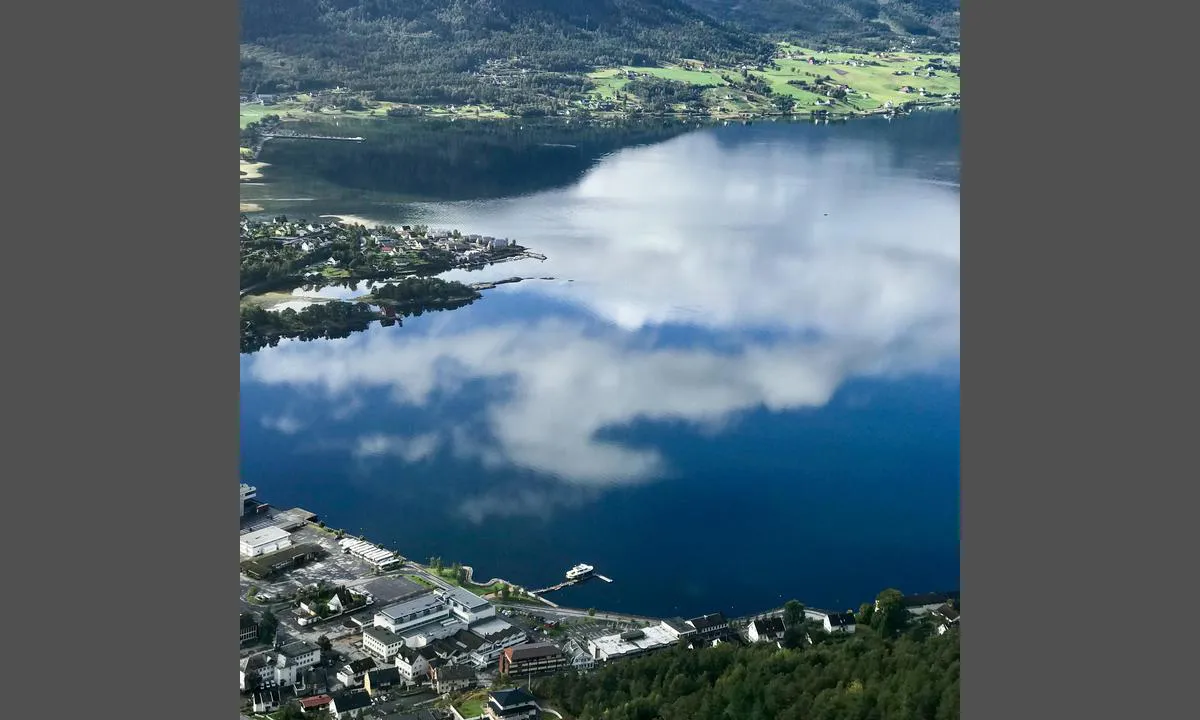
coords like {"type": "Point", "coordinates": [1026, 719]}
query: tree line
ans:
{"type": "Point", "coordinates": [894, 667]}
{"type": "Point", "coordinates": [499, 52]}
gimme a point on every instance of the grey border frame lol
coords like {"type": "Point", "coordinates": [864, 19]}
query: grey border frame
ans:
{"type": "Point", "coordinates": [120, 150]}
{"type": "Point", "coordinates": [128, 409]}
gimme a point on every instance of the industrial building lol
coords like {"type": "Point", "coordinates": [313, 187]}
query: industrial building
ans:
{"type": "Point", "coordinates": [373, 554]}
{"type": "Point", "coordinates": [265, 541]}
{"type": "Point", "coordinates": [410, 613]}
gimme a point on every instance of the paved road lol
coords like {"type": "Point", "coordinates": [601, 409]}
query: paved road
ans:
{"type": "Point", "coordinates": [573, 613]}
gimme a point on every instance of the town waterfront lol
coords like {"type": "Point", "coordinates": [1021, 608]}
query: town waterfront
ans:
{"type": "Point", "coordinates": [740, 387]}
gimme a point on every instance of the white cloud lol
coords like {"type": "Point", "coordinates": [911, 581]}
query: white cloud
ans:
{"type": "Point", "coordinates": [410, 449]}
{"type": "Point", "coordinates": [285, 424]}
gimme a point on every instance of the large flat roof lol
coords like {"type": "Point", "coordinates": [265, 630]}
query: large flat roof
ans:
{"type": "Point", "coordinates": [466, 598]}
{"type": "Point", "coordinates": [651, 637]}
{"type": "Point", "coordinates": [266, 535]}
{"type": "Point", "coordinates": [412, 605]}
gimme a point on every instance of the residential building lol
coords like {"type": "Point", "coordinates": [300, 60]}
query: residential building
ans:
{"type": "Point", "coordinates": [380, 679]}
{"type": "Point", "coordinates": [495, 634]}
{"type": "Point", "coordinates": [713, 625]}
{"type": "Point", "coordinates": [315, 703]}
{"type": "Point", "coordinates": [839, 622]}
{"type": "Point", "coordinates": [410, 613]}
{"type": "Point", "coordinates": [262, 542]}
{"type": "Point", "coordinates": [532, 659]}
{"type": "Point", "coordinates": [413, 663]}
{"type": "Point", "coordinates": [632, 642]}
{"type": "Point", "coordinates": [347, 705]}
{"type": "Point", "coordinates": [341, 600]}
{"type": "Point", "coordinates": [277, 668]}
{"type": "Point", "coordinates": [265, 701]}
{"type": "Point", "coordinates": [352, 673]}
{"type": "Point", "coordinates": [293, 659]}
{"type": "Point", "coordinates": [255, 670]}
{"type": "Point", "coordinates": [944, 618]}
{"type": "Point", "coordinates": [249, 628]}
{"type": "Point", "coordinates": [769, 629]}
{"type": "Point", "coordinates": [513, 704]}
{"type": "Point", "coordinates": [313, 680]}
{"type": "Point", "coordinates": [381, 642]}
{"type": "Point", "coordinates": [451, 678]}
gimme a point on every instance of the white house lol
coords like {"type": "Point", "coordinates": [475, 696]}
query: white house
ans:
{"type": "Point", "coordinates": [839, 622]}
{"type": "Point", "coordinates": [767, 629]}
{"type": "Point", "coordinates": [267, 540]}
{"type": "Point", "coordinates": [413, 663]}
{"type": "Point", "coordinates": [352, 673]}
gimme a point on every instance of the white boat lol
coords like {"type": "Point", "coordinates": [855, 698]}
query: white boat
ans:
{"type": "Point", "coordinates": [579, 571]}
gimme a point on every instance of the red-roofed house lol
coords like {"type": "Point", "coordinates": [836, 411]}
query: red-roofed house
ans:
{"type": "Point", "coordinates": [317, 702]}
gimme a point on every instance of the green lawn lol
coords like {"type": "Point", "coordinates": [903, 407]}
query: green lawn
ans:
{"type": "Point", "coordinates": [473, 706]}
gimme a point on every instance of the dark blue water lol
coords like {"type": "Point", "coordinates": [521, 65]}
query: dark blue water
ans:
{"type": "Point", "coordinates": [748, 393]}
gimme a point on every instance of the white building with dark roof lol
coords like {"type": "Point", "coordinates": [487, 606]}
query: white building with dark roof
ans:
{"type": "Point", "coordinates": [839, 622]}
{"type": "Point", "coordinates": [768, 629]}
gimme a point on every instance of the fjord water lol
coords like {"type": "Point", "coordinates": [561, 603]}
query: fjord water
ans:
{"type": "Point", "coordinates": [741, 386]}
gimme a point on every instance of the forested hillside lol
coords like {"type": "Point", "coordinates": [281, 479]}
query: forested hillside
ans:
{"type": "Point", "coordinates": [868, 24]}
{"type": "Point", "coordinates": [462, 51]}
{"type": "Point", "coordinates": [865, 677]}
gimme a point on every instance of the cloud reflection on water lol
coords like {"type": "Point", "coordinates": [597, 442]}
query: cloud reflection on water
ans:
{"type": "Point", "coordinates": [852, 269]}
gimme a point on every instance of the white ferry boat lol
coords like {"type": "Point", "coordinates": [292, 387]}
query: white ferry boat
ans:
{"type": "Point", "coordinates": [579, 571]}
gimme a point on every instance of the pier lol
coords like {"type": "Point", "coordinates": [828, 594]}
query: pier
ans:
{"type": "Point", "coordinates": [569, 583]}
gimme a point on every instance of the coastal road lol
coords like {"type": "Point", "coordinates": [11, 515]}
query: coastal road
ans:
{"type": "Point", "coordinates": [562, 612]}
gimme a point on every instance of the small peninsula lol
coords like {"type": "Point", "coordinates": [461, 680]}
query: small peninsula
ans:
{"type": "Point", "coordinates": [282, 255]}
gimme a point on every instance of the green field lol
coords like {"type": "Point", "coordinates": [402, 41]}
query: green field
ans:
{"type": "Point", "coordinates": [296, 110]}
{"type": "Point", "coordinates": [872, 80]}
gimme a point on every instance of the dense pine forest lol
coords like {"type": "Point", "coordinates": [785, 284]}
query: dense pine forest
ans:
{"type": "Point", "coordinates": [929, 25]}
